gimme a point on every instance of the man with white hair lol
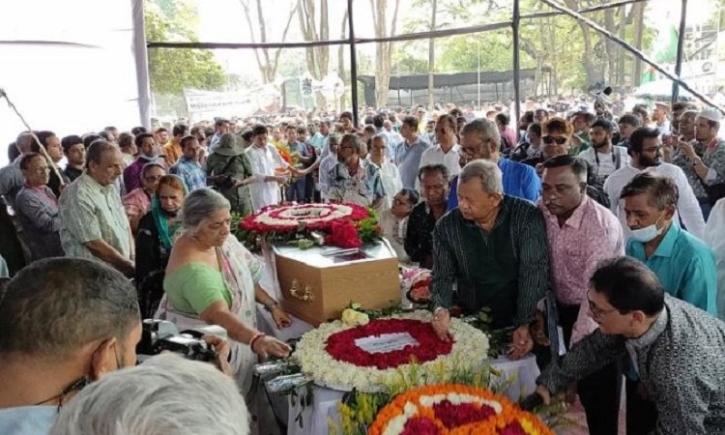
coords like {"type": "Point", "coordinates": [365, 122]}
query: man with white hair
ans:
{"type": "Point", "coordinates": [494, 246]}
{"type": "Point", "coordinates": [481, 139]}
{"type": "Point", "coordinates": [165, 394]}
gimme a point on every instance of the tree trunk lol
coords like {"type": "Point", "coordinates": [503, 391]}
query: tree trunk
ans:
{"type": "Point", "coordinates": [638, 22]}
{"type": "Point", "coordinates": [622, 53]}
{"type": "Point", "coordinates": [553, 45]}
{"type": "Point", "coordinates": [432, 58]}
{"type": "Point", "coordinates": [610, 46]}
{"type": "Point", "coordinates": [382, 68]}
{"type": "Point", "coordinates": [341, 59]}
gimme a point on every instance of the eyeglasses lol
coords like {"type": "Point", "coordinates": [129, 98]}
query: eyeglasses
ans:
{"type": "Point", "coordinates": [548, 140]}
{"type": "Point", "coordinates": [598, 313]}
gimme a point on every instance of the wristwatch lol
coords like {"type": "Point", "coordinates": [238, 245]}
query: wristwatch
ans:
{"type": "Point", "coordinates": [271, 306]}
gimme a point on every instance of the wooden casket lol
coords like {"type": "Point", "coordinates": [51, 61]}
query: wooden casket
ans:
{"type": "Point", "coordinates": [317, 284]}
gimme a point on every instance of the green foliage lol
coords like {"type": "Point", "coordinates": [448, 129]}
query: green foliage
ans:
{"type": "Point", "coordinates": [172, 70]}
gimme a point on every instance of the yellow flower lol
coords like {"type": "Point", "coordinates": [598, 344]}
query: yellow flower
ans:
{"type": "Point", "coordinates": [351, 317]}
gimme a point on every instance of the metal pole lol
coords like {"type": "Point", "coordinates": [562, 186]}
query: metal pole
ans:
{"type": "Point", "coordinates": [353, 63]}
{"type": "Point", "coordinates": [680, 51]}
{"type": "Point", "coordinates": [516, 24]}
{"type": "Point", "coordinates": [635, 52]}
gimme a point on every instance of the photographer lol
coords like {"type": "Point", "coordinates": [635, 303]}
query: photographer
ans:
{"type": "Point", "coordinates": [65, 322]}
{"type": "Point", "coordinates": [166, 394]}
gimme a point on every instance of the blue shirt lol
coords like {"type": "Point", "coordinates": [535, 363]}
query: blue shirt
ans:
{"type": "Point", "coordinates": [519, 180]}
{"type": "Point", "coordinates": [191, 172]}
{"type": "Point", "coordinates": [685, 266]}
{"type": "Point", "coordinates": [27, 420]}
{"type": "Point", "coordinates": [407, 158]}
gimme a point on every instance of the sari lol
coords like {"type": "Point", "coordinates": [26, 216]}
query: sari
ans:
{"type": "Point", "coordinates": [240, 271]}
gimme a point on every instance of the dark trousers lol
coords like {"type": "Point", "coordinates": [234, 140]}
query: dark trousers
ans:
{"type": "Point", "coordinates": [600, 391]}
{"type": "Point", "coordinates": [296, 190]}
{"type": "Point", "coordinates": [641, 413]}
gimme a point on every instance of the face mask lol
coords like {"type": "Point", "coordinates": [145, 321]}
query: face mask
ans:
{"type": "Point", "coordinates": [646, 234]}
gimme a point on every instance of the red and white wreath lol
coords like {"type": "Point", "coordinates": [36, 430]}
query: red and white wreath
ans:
{"type": "Point", "coordinates": [370, 356]}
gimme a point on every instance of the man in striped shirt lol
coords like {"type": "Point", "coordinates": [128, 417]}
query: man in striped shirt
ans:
{"type": "Point", "coordinates": [494, 247]}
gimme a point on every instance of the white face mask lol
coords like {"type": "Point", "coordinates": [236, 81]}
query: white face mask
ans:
{"type": "Point", "coordinates": [646, 234]}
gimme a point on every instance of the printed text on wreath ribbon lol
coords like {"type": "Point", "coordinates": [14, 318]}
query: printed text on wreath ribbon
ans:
{"type": "Point", "coordinates": [386, 342]}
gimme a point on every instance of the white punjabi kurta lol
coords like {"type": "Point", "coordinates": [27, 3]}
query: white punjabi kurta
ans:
{"type": "Point", "coordinates": [392, 184]}
{"type": "Point", "coordinates": [715, 239]}
{"type": "Point", "coordinates": [264, 161]}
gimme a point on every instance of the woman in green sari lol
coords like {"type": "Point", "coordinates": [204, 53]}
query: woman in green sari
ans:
{"type": "Point", "coordinates": [231, 172]}
{"type": "Point", "coordinates": [211, 279]}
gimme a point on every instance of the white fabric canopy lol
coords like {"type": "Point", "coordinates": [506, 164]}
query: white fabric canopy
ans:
{"type": "Point", "coordinates": [73, 66]}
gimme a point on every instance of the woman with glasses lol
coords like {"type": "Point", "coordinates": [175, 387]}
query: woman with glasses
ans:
{"type": "Point", "coordinates": [37, 210]}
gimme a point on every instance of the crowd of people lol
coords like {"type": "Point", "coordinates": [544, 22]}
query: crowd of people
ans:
{"type": "Point", "coordinates": [610, 227]}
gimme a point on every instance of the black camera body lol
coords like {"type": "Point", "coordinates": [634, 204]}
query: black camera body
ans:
{"type": "Point", "coordinates": [159, 336]}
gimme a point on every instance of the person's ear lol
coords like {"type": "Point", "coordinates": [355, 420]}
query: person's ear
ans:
{"type": "Point", "coordinates": [104, 359]}
{"type": "Point", "coordinates": [638, 317]}
{"type": "Point", "coordinates": [670, 212]}
{"type": "Point", "coordinates": [492, 147]}
{"type": "Point", "coordinates": [496, 198]}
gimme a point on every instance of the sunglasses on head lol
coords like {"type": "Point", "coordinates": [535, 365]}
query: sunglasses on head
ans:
{"type": "Point", "coordinates": [551, 139]}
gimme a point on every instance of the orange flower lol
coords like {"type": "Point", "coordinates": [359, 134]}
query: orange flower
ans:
{"type": "Point", "coordinates": [420, 398]}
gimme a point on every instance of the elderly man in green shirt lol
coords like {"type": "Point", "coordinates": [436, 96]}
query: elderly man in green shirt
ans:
{"type": "Point", "coordinates": [93, 221]}
{"type": "Point", "coordinates": [493, 247]}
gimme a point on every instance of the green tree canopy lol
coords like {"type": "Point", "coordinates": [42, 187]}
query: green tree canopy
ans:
{"type": "Point", "coordinates": [172, 70]}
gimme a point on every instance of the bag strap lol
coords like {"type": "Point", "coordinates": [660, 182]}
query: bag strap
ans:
{"type": "Point", "coordinates": [229, 163]}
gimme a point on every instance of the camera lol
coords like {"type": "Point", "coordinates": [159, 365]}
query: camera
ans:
{"type": "Point", "coordinates": [162, 336]}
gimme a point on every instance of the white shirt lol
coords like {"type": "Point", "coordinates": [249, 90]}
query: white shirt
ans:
{"type": "Point", "coordinates": [392, 184]}
{"type": "Point", "coordinates": [606, 164]}
{"type": "Point", "coordinates": [394, 230]}
{"type": "Point", "coordinates": [326, 165]}
{"type": "Point", "coordinates": [715, 239]}
{"type": "Point", "coordinates": [264, 161]}
{"type": "Point", "coordinates": [687, 206]}
{"type": "Point", "coordinates": [436, 156]}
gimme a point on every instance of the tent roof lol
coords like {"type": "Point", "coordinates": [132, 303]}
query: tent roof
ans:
{"type": "Point", "coordinates": [420, 81]}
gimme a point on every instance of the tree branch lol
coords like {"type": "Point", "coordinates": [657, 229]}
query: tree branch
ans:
{"type": "Point", "coordinates": [248, 16]}
{"type": "Point", "coordinates": [284, 38]}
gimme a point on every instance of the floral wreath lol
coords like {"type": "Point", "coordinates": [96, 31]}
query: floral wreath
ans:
{"type": "Point", "coordinates": [331, 357]}
{"type": "Point", "coordinates": [345, 225]}
{"type": "Point", "coordinates": [452, 409]}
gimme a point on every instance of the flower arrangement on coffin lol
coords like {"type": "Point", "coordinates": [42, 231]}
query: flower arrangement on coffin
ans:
{"type": "Point", "coordinates": [454, 409]}
{"type": "Point", "coordinates": [342, 225]}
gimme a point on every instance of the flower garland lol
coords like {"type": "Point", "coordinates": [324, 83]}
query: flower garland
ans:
{"type": "Point", "coordinates": [343, 225]}
{"type": "Point", "coordinates": [452, 409]}
{"type": "Point", "coordinates": [330, 355]}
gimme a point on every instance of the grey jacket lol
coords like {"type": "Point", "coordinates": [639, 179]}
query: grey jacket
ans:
{"type": "Point", "coordinates": [40, 220]}
{"type": "Point", "coordinates": [680, 362]}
